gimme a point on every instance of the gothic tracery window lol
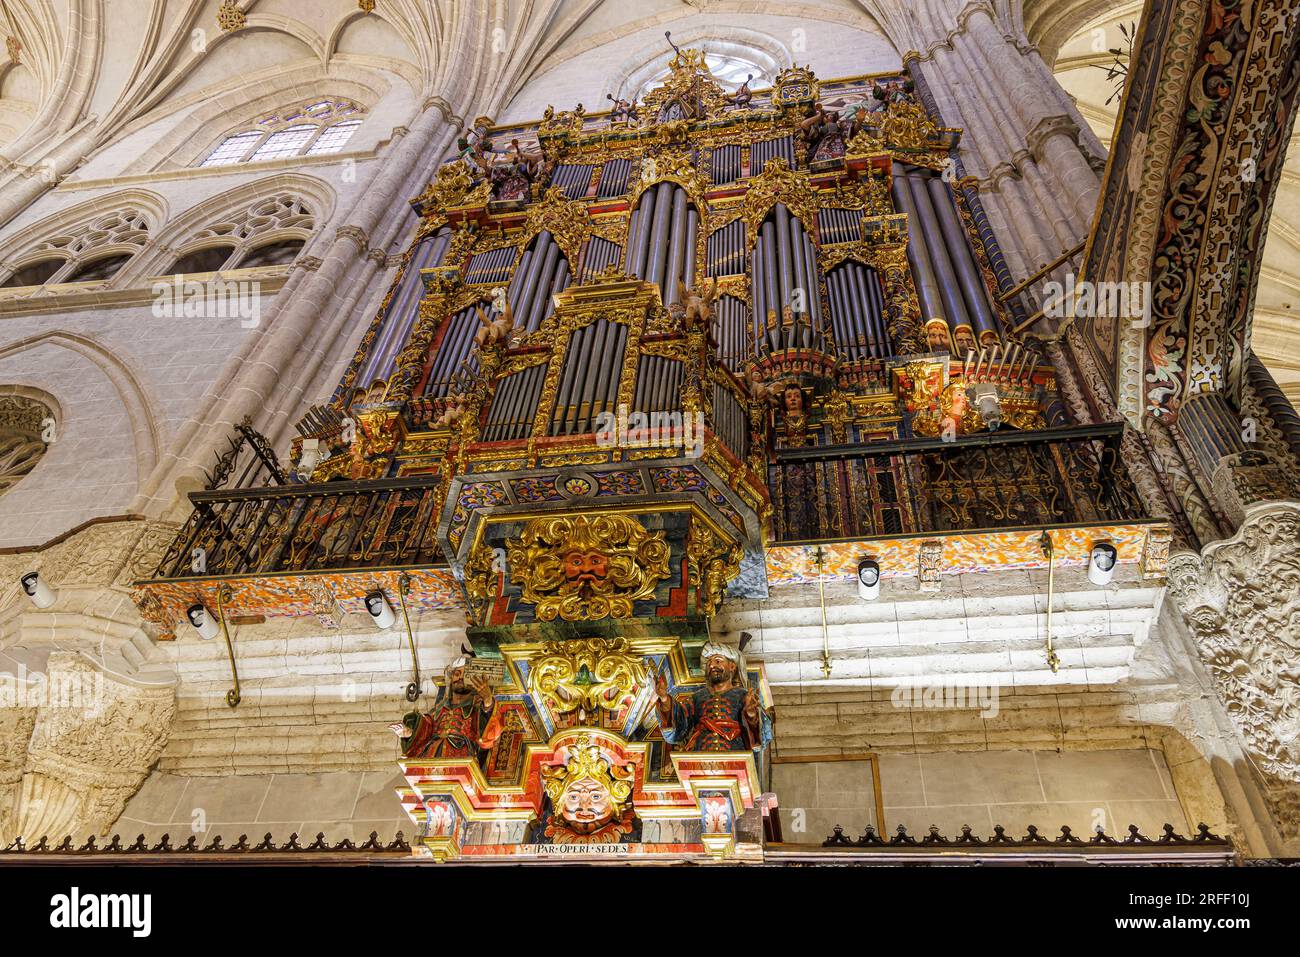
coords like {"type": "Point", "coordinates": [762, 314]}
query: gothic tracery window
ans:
{"type": "Point", "coordinates": [311, 129]}
{"type": "Point", "coordinates": [23, 425]}
{"type": "Point", "coordinates": [91, 252]}
{"type": "Point", "coordinates": [269, 232]}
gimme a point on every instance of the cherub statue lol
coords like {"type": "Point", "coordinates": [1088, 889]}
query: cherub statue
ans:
{"type": "Point", "coordinates": [623, 111]}
{"type": "Point", "coordinates": [451, 414]}
{"type": "Point", "coordinates": [697, 307]}
{"type": "Point", "coordinates": [759, 389]}
{"type": "Point", "coordinates": [498, 331]}
{"type": "Point", "coordinates": [743, 95]}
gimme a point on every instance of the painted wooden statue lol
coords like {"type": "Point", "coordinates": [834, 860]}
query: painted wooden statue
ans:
{"type": "Point", "coordinates": [724, 715]}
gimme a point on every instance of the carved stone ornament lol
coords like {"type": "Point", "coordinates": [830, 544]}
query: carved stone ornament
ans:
{"type": "Point", "coordinates": [83, 749]}
{"type": "Point", "coordinates": [581, 569]}
{"type": "Point", "coordinates": [1241, 599]}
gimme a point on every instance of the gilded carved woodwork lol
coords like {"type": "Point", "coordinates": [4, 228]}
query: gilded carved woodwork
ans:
{"type": "Point", "coordinates": [778, 183]}
{"type": "Point", "coordinates": [587, 676]}
{"type": "Point", "coordinates": [585, 569]}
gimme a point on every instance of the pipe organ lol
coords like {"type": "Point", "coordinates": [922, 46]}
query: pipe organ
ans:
{"type": "Point", "coordinates": [796, 276]}
{"type": "Point", "coordinates": [693, 319]}
{"type": "Point", "coordinates": [636, 366]}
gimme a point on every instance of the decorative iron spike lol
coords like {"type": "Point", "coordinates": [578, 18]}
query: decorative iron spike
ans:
{"type": "Point", "coordinates": [1033, 837]}
{"type": "Point", "coordinates": [967, 836]}
{"type": "Point", "coordinates": [267, 844]}
{"type": "Point", "coordinates": [164, 844]}
{"type": "Point", "coordinates": [1204, 836]}
{"type": "Point", "coordinates": [901, 837]}
{"type": "Point", "coordinates": [837, 838]}
{"type": "Point", "coordinates": [1067, 836]}
{"type": "Point", "coordinates": [1170, 837]}
{"type": "Point", "coordinates": [934, 837]}
{"type": "Point", "coordinates": [1134, 837]}
{"type": "Point", "coordinates": [869, 836]}
{"type": "Point", "coordinates": [1000, 836]}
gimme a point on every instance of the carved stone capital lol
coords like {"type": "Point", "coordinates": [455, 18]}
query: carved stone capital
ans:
{"type": "Point", "coordinates": [1246, 478]}
{"type": "Point", "coordinates": [1241, 599]}
{"type": "Point", "coordinates": [93, 741]}
{"type": "Point", "coordinates": [1046, 128]}
{"type": "Point", "coordinates": [357, 235]}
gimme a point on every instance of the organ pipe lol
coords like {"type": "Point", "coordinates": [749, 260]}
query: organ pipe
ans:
{"type": "Point", "coordinates": [677, 249]}
{"type": "Point", "coordinates": [927, 287]}
{"type": "Point", "coordinates": [949, 291]}
{"type": "Point", "coordinates": [972, 282]}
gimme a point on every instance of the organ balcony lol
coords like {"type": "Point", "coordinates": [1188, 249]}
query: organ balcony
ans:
{"type": "Point", "coordinates": [767, 333]}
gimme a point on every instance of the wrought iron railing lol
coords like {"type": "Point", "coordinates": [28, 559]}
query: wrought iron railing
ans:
{"type": "Point", "coordinates": [994, 481]}
{"type": "Point", "coordinates": [307, 528]}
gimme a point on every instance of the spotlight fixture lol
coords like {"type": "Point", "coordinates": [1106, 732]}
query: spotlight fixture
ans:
{"type": "Point", "coordinates": [41, 594]}
{"type": "Point", "coordinates": [311, 456]}
{"type": "Point", "coordinates": [380, 610]}
{"type": "Point", "coordinates": [984, 396]}
{"type": "Point", "coordinates": [868, 579]}
{"type": "Point", "coordinates": [202, 621]}
{"type": "Point", "coordinates": [1101, 563]}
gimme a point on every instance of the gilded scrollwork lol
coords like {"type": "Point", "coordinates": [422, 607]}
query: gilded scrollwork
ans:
{"type": "Point", "coordinates": [583, 569]}
{"type": "Point", "coordinates": [587, 676]}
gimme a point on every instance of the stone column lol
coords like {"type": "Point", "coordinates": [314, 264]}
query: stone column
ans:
{"type": "Point", "coordinates": [1020, 141]}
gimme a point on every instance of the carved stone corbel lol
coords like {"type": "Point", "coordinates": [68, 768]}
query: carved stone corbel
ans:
{"type": "Point", "coordinates": [93, 741]}
{"type": "Point", "coordinates": [1241, 600]}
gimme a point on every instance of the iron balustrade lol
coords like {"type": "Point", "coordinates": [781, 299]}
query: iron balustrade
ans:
{"type": "Point", "coordinates": [384, 523]}
{"type": "Point", "coordinates": [998, 480]}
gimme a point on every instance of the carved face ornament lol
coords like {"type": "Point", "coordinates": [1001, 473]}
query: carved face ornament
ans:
{"type": "Point", "coordinates": [581, 569]}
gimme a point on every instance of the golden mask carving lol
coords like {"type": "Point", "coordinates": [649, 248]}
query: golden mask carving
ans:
{"type": "Point", "coordinates": [587, 676]}
{"type": "Point", "coordinates": [584, 569]}
{"type": "Point", "coordinates": [609, 787]}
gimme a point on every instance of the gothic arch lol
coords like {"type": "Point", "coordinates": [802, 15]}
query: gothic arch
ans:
{"type": "Point", "coordinates": [39, 236]}
{"type": "Point", "coordinates": [146, 434]}
{"type": "Point", "coordinates": [401, 30]}
{"type": "Point", "coordinates": [213, 117]}
{"type": "Point", "coordinates": [24, 411]}
{"type": "Point", "coordinates": [176, 237]}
